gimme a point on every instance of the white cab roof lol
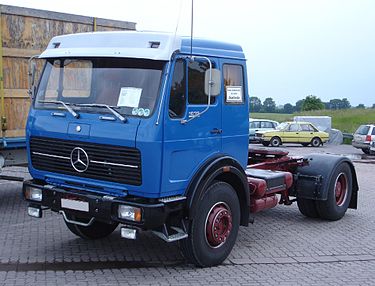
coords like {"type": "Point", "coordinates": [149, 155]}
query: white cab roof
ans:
{"type": "Point", "coordinates": [130, 44]}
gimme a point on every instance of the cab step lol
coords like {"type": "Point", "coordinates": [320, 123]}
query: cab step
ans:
{"type": "Point", "coordinates": [164, 234]}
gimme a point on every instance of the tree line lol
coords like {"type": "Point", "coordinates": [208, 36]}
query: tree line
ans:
{"type": "Point", "coordinates": [311, 102]}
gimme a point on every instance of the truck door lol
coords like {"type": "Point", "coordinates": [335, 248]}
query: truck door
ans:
{"type": "Point", "coordinates": [188, 145]}
{"type": "Point", "coordinates": [235, 112]}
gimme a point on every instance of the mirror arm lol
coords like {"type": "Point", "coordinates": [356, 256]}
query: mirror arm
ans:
{"type": "Point", "coordinates": [31, 75]}
{"type": "Point", "coordinates": [192, 58]}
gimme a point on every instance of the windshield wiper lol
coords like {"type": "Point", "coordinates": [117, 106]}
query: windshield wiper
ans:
{"type": "Point", "coordinates": [110, 108]}
{"type": "Point", "coordinates": [67, 107]}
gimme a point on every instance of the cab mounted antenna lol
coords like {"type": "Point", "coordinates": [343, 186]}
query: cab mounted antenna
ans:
{"type": "Point", "coordinates": [191, 28]}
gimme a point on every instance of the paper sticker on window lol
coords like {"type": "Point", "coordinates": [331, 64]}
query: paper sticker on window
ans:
{"type": "Point", "coordinates": [129, 96]}
{"type": "Point", "coordinates": [234, 94]}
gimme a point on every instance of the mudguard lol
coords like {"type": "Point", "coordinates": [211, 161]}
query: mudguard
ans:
{"type": "Point", "coordinates": [312, 181]}
{"type": "Point", "coordinates": [222, 168]}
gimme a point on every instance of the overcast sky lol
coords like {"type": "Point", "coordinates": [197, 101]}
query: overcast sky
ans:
{"type": "Point", "coordinates": [294, 47]}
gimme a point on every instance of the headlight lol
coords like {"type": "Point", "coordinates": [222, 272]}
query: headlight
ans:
{"type": "Point", "coordinates": [129, 213]}
{"type": "Point", "coordinates": [33, 194]}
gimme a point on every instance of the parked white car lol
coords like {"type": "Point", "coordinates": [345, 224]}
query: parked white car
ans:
{"type": "Point", "coordinates": [363, 137]}
{"type": "Point", "coordinates": [256, 125]}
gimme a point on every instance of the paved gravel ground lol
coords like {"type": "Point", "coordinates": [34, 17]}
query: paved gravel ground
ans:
{"type": "Point", "coordinates": [282, 247]}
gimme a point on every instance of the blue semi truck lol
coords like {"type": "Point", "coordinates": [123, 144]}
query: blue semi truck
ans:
{"type": "Point", "coordinates": [150, 131]}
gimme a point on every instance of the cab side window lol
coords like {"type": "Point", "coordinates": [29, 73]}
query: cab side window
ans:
{"type": "Point", "coordinates": [233, 84]}
{"type": "Point", "coordinates": [177, 100]}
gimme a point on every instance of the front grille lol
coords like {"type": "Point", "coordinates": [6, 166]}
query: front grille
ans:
{"type": "Point", "coordinates": [103, 162]}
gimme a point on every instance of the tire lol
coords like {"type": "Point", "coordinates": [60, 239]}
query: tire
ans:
{"type": "Point", "coordinates": [316, 142]}
{"type": "Point", "coordinates": [307, 207]}
{"type": "Point", "coordinates": [339, 194]}
{"type": "Point", "coordinates": [97, 230]}
{"type": "Point", "coordinates": [266, 144]}
{"type": "Point", "coordinates": [305, 144]}
{"type": "Point", "coordinates": [366, 150]}
{"type": "Point", "coordinates": [214, 228]}
{"type": "Point", "coordinates": [275, 141]}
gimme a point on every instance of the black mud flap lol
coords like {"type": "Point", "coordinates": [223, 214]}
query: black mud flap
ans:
{"type": "Point", "coordinates": [313, 180]}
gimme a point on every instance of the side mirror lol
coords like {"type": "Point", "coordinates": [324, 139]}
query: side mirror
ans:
{"type": "Point", "coordinates": [214, 82]}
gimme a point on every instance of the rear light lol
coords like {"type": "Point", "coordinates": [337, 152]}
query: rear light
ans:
{"type": "Point", "coordinates": [368, 138]}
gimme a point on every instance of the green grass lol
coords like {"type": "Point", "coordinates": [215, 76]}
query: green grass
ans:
{"type": "Point", "coordinates": [346, 120]}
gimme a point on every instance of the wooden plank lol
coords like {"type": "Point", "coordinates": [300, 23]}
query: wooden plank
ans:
{"type": "Point", "coordinates": [57, 16]}
{"type": "Point", "coordinates": [15, 93]}
{"type": "Point", "coordinates": [15, 73]}
{"type": "Point", "coordinates": [16, 111]}
{"type": "Point", "coordinates": [20, 53]}
{"type": "Point", "coordinates": [15, 133]}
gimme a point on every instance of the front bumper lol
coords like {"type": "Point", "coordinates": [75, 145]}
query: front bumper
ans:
{"type": "Point", "coordinates": [372, 146]}
{"type": "Point", "coordinates": [103, 208]}
{"type": "Point", "coordinates": [261, 139]}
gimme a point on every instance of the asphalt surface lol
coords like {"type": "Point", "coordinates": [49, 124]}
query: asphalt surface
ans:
{"type": "Point", "coordinates": [282, 247]}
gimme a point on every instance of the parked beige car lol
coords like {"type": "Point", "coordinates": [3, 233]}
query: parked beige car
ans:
{"type": "Point", "coordinates": [293, 132]}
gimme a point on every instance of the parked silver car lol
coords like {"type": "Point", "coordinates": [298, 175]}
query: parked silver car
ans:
{"type": "Point", "coordinates": [363, 137]}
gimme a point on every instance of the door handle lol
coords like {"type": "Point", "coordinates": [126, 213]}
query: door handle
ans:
{"type": "Point", "coordinates": [216, 131]}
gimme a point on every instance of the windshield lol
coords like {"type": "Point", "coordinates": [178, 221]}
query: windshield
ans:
{"type": "Point", "coordinates": [282, 126]}
{"type": "Point", "coordinates": [131, 86]}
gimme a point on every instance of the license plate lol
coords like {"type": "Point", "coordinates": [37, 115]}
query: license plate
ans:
{"type": "Point", "coordinates": [75, 205]}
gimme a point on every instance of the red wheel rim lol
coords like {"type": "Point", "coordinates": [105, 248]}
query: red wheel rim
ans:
{"type": "Point", "coordinates": [341, 189]}
{"type": "Point", "coordinates": [218, 224]}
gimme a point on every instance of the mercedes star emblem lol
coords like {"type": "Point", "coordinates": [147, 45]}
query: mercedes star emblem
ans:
{"type": "Point", "coordinates": [79, 159]}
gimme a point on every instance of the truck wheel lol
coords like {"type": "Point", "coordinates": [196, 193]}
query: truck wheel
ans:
{"type": "Point", "coordinates": [275, 142]}
{"type": "Point", "coordinates": [214, 227]}
{"type": "Point", "coordinates": [316, 142]}
{"type": "Point", "coordinates": [307, 207]}
{"type": "Point", "coordinates": [95, 231]}
{"type": "Point", "coordinates": [339, 194]}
